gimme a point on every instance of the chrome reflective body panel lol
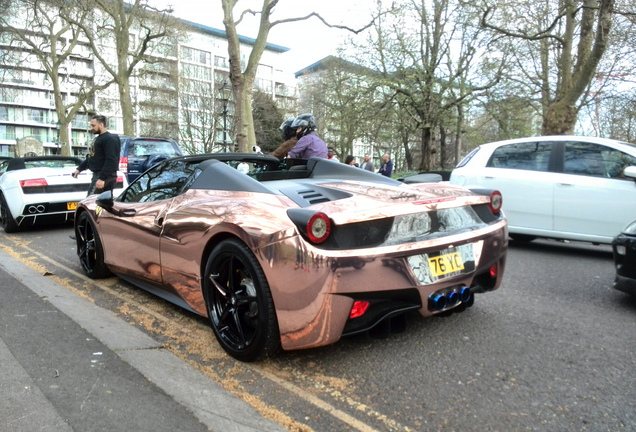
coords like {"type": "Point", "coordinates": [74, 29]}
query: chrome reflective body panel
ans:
{"type": "Point", "coordinates": [163, 246]}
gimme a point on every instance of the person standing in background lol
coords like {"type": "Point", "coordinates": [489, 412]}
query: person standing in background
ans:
{"type": "Point", "coordinates": [103, 159]}
{"type": "Point", "coordinates": [367, 164]}
{"type": "Point", "coordinates": [351, 160]}
{"type": "Point", "coordinates": [387, 166]}
{"type": "Point", "coordinates": [331, 154]}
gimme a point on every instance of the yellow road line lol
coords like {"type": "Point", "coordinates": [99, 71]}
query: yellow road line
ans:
{"type": "Point", "coordinates": [292, 388]}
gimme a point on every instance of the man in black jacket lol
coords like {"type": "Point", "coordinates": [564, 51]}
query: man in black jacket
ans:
{"type": "Point", "coordinates": [103, 160]}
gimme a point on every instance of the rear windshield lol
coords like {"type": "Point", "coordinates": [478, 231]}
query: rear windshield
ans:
{"type": "Point", "coordinates": [50, 163]}
{"type": "Point", "coordinates": [20, 163]}
{"type": "Point", "coordinates": [146, 148]}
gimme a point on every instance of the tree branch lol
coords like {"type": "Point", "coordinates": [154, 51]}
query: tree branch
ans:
{"type": "Point", "coordinates": [543, 34]}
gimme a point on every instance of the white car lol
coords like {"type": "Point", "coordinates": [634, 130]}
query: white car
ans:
{"type": "Point", "coordinates": [41, 190]}
{"type": "Point", "coordinates": [562, 187]}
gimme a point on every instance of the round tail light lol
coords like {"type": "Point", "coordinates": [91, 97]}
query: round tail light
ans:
{"type": "Point", "coordinates": [495, 202]}
{"type": "Point", "coordinates": [318, 228]}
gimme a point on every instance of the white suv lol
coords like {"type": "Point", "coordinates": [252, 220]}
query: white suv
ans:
{"type": "Point", "coordinates": [563, 187]}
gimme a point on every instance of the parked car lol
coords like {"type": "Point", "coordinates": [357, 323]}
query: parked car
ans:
{"type": "Point", "coordinates": [139, 154]}
{"type": "Point", "coordinates": [41, 190]}
{"type": "Point", "coordinates": [293, 254]}
{"type": "Point", "coordinates": [562, 187]}
{"type": "Point", "coordinates": [421, 178]}
{"type": "Point", "coordinates": [624, 247]}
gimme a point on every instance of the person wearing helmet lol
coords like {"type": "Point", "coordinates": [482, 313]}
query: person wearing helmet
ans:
{"type": "Point", "coordinates": [308, 145]}
{"type": "Point", "coordinates": [289, 138]}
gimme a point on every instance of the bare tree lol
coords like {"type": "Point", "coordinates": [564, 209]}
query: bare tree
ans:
{"type": "Point", "coordinates": [201, 112]}
{"type": "Point", "coordinates": [567, 47]}
{"type": "Point", "coordinates": [43, 32]}
{"type": "Point", "coordinates": [242, 78]}
{"type": "Point", "coordinates": [429, 67]}
{"type": "Point", "coordinates": [342, 96]}
{"type": "Point", "coordinates": [109, 33]}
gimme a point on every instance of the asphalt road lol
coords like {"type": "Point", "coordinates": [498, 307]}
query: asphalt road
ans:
{"type": "Point", "coordinates": [554, 349]}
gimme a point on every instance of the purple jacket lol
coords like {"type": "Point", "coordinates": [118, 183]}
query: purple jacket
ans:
{"type": "Point", "coordinates": [309, 146]}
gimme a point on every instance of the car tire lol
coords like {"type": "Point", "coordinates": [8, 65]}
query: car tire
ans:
{"type": "Point", "coordinates": [239, 302]}
{"type": "Point", "coordinates": [6, 219]}
{"type": "Point", "coordinates": [89, 248]}
{"type": "Point", "coordinates": [522, 238]}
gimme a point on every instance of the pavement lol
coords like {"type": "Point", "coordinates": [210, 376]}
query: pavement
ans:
{"type": "Point", "coordinates": [69, 365]}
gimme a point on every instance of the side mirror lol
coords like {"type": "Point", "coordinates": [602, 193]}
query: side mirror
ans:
{"type": "Point", "coordinates": [630, 172]}
{"type": "Point", "coordinates": [105, 200]}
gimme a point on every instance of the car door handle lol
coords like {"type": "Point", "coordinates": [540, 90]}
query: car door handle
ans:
{"type": "Point", "coordinates": [566, 184]}
{"type": "Point", "coordinates": [128, 212]}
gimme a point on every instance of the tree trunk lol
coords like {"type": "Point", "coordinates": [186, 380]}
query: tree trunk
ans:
{"type": "Point", "coordinates": [442, 146]}
{"type": "Point", "coordinates": [560, 119]}
{"type": "Point", "coordinates": [127, 110]}
{"type": "Point", "coordinates": [65, 150]}
{"type": "Point", "coordinates": [407, 152]}
{"type": "Point", "coordinates": [427, 136]}
{"type": "Point", "coordinates": [459, 134]}
{"type": "Point", "coordinates": [246, 136]}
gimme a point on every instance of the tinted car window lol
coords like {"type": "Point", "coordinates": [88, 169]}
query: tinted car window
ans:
{"type": "Point", "coordinates": [145, 148]}
{"type": "Point", "coordinates": [165, 181]}
{"type": "Point", "coordinates": [595, 160]}
{"type": "Point", "coordinates": [523, 156]}
{"type": "Point", "coordinates": [468, 157]}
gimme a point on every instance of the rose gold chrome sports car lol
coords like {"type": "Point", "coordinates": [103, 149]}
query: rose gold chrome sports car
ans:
{"type": "Point", "coordinates": [294, 254]}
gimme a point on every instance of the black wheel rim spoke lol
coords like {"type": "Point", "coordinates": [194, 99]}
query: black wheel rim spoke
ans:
{"type": "Point", "coordinates": [234, 311]}
{"type": "Point", "coordinates": [86, 242]}
{"type": "Point", "coordinates": [242, 342]}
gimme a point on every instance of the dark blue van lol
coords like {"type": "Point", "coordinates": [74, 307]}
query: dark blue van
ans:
{"type": "Point", "coordinates": [139, 154]}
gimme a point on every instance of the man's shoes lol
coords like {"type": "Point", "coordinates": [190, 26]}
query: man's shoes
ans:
{"type": "Point", "coordinates": [72, 236]}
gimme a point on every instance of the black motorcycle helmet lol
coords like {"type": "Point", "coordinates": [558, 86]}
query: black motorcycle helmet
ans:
{"type": "Point", "coordinates": [286, 130]}
{"type": "Point", "coordinates": [305, 121]}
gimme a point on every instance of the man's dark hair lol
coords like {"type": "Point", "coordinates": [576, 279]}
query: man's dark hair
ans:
{"type": "Point", "coordinates": [100, 118]}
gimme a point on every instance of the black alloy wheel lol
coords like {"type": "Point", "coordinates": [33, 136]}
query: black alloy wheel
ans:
{"type": "Point", "coordinates": [239, 303]}
{"type": "Point", "coordinates": [6, 220]}
{"type": "Point", "coordinates": [89, 248]}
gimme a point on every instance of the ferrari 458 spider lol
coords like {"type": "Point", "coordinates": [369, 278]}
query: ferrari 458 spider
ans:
{"type": "Point", "coordinates": [294, 254]}
{"type": "Point", "coordinates": [41, 190]}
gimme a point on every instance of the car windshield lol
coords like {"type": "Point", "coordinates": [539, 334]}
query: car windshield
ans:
{"type": "Point", "coordinates": [146, 148]}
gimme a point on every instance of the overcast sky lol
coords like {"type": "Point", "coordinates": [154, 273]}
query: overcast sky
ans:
{"type": "Point", "coordinates": [309, 41]}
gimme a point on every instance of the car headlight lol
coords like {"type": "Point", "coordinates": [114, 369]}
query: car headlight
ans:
{"type": "Point", "coordinates": [630, 229]}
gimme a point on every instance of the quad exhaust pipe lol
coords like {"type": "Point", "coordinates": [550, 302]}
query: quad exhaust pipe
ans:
{"type": "Point", "coordinates": [450, 297]}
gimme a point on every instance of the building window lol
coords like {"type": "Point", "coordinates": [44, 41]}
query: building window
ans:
{"type": "Point", "coordinates": [263, 84]}
{"type": "Point", "coordinates": [221, 62]}
{"type": "Point", "coordinates": [264, 70]}
{"type": "Point", "coordinates": [7, 132]}
{"type": "Point", "coordinates": [197, 72]}
{"type": "Point", "coordinates": [195, 55]}
{"type": "Point", "coordinates": [36, 115]}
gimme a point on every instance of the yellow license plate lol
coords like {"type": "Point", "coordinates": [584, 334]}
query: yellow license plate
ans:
{"type": "Point", "coordinates": [446, 263]}
{"type": "Point", "coordinates": [71, 206]}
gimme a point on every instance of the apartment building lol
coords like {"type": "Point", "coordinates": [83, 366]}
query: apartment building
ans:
{"type": "Point", "coordinates": [200, 57]}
